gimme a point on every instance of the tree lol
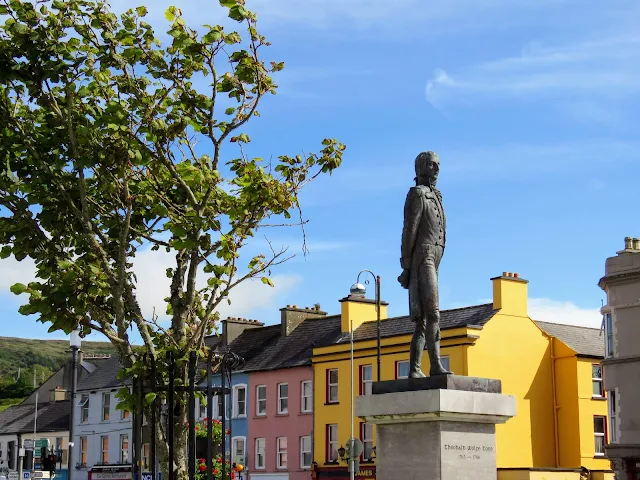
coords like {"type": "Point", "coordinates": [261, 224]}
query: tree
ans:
{"type": "Point", "coordinates": [111, 142]}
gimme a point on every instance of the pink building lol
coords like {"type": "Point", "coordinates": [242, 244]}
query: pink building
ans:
{"type": "Point", "coordinates": [280, 395]}
{"type": "Point", "coordinates": [279, 446]}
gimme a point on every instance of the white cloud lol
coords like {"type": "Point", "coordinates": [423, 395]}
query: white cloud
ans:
{"type": "Point", "coordinates": [14, 271]}
{"type": "Point", "coordinates": [568, 313]}
{"type": "Point", "coordinates": [606, 67]}
{"type": "Point", "coordinates": [153, 286]}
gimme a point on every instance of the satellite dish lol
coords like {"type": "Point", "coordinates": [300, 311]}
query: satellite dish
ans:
{"type": "Point", "coordinates": [354, 448]}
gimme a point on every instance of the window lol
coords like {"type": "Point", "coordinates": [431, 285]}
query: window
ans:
{"type": "Point", "coordinates": [366, 436]}
{"type": "Point", "coordinates": [307, 397]}
{"type": "Point", "coordinates": [83, 451]}
{"type": "Point", "coordinates": [305, 452]}
{"type": "Point", "coordinates": [332, 443]}
{"type": "Point", "coordinates": [444, 360]}
{"type": "Point", "coordinates": [613, 418]}
{"type": "Point", "coordinates": [402, 369]}
{"type": "Point", "coordinates": [106, 406]}
{"type": "Point", "coordinates": [259, 463]}
{"type": "Point", "coordinates": [145, 456]}
{"type": "Point", "coordinates": [281, 458]}
{"type": "Point", "coordinates": [332, 385]}
{"type": "Point", "coordinates": [240, 401]}
{"type": "Point", "coordinates": [84, 408]}
{"type": "Point", "coordinates": [238, 450]}
{"type": "Point", "coordinates": [124, 449]}
{"type": "Point", "coordinates": [261, 400]}
{"type": "Point", "coordinates": [283, 398]}
{"type": "Point", "coordinates": [366, 379]}
{"type": "Point", "coordinates": [608, 329]}
{"type": "Point", "coordinates": [124, 414]}
{"type": "Point", "coordinates": [596, 380]}
{"type": "Point", "coordinates": [226, 406]}
{"type": "Point", "coordinates": [104, 449]}
{"type": "Point", "coordinates": [599, 433]}
{"type": "Point", "coordinates": [202, 412]}
{"type": "Point", "coordinates": [1, 452]}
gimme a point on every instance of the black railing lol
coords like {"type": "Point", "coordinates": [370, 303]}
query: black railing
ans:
{"type": "Point", "coordinates": [217, 362]}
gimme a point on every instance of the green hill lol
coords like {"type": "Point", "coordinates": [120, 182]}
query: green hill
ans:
{"type": "Point", "coordinates": [23, 359]}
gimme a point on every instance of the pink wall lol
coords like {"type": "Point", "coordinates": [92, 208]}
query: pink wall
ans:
{"type": "Point", "coordinates": [292, 425]}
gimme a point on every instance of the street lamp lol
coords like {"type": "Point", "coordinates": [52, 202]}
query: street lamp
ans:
{"type": "Point", "coordinates": [359, 289]}
{"type": "Point", "coordinates": [74, 342]}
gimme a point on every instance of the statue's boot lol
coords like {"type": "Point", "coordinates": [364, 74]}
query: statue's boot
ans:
{"type": "Point", "coordinates": [415, 354]}
{"type": "Point", "coordinates": [432, 335]}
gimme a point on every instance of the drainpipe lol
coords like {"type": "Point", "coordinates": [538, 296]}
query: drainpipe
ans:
{"type": "Point", "coordinates": [555, 404]}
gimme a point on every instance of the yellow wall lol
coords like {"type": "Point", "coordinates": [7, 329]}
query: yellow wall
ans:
{"type": "Point", "coordinates": [550, 475]}
{"type": "Point", "coordinates": [587, 408]}
{"type": "Point", "coordinates": [358, 311]}
{"type": "Point", "coordinates": [514, 350]}
{"type": "Point", "coordinates": [567, 400]}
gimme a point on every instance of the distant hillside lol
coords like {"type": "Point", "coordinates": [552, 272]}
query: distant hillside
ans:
{"type": "Point", "coordinates": [45, 356]}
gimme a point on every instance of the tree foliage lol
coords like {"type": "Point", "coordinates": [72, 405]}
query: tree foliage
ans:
{"type": "Point", "coordinates": [111, 141]}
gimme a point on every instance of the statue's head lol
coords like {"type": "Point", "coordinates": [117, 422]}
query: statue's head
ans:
{"type": "Point", "coordinates": [427, 168]}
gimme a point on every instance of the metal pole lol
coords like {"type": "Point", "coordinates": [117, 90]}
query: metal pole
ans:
{"type": "Point", "coordinates": [191, 452]}
{"type": "Point", "coordinates": [352, 472]}
{"type": "Point", "coordinates": [378, 319]}
{"type": "Point", "coordinates": [74, 381]}
{"type": "Point", "coordinates": [19, 457]}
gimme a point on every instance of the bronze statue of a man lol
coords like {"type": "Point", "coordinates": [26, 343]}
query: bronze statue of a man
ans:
{"type": "Point", "coordinates": [423, 241]}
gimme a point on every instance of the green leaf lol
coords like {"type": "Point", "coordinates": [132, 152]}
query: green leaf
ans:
{"type": "Point", "coordinates": [230, 111]}
{"type": "Point", "coordinates": [171, 13]}
{"type": "Point", "coordinates": [142, 11]}
{"type": "Point", "coordinates": [228, 3]}
{"type": "Point", "coordinates": [18, 288]}
{"type": "Point", "coordinates": [267, 281]}
{"type": "Point", "coordinates": [238, 13]}
{"type": "Point", "coordinates": [150, 397]}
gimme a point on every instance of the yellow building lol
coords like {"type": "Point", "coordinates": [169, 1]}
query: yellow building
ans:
{"type": "Point", "coordinates": [551, 369]}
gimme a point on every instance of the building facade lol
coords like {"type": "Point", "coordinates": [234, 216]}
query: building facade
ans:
{"type": "Point", "coordinates": [554, 430]}
{"type": "Point", "coordinates": [103, 433]}
{"type": "Point", "coordinates": [621, 316]}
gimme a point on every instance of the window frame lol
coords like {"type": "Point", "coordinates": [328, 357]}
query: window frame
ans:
{"type": "Point", "coordinates": [366, 384]}
{"type": "Point", "coordinates": [84, 408]}
{"type": "Point", "coordinates": [303, 466]}
{"type": "Point", "coordinates": [304, 397]}
{"type": "Point", "coordinates": [146, 454]}
{"type": "Point", "coordinates": [331, 385]}
{"type": "Point", "coordinates": [234, 453]}
{"type": "Point", "coordinates": [104, 453]}
{"type": "Point", "coordinates": [330, 442]}
{"type": "Point", "coordinates": [598, 380]}
{"type": "Point", "coordinates": [402, 362]}
{"type": "Point", "coordinates": [608, 334]}
{"type": "Point", "coordinates": [218, 406]}
{"type": "Point", "coordinates": [84, 442]}
{"type": "Point", "coordinates": [613, 416]}
{"type": "Point", "coordinates": [257, 442]}
{"type": "Point", "coordinates": [236, 402]}
{"type": "Point", "coordinates": [258, 400]}
{"type": "Point", "coordinates": [125, 415]}
{"type": "Point", "coordinates": [364, 440]}
{"type": "Point", "coordinates": [106, 407]}
{"type": "Point", "coordinates": [124, 452]}
{"type": "Point", "coordinates": [602, 435]}
{"type": "Point", "coordinates": [284, 452]}
{"type": "Point", "coordinates": [280, 410]}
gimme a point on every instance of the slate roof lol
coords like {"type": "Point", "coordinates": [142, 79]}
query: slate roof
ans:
{"type": "Point", "coordinates": [476, 315]}
{"type": "Point", "coordinates": [296, 349]}
{"type": "Point", "coordinates": [253, 340]}
{"type": "Point", "coordinates": [105, 376]}
{"type": "Point", "coordinates": [584, 340]}
{"type": "Point", "coordinates": [52, 417]}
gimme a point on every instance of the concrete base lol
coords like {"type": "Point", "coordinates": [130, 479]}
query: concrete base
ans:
{"type": "Point", "coordinates": [436, 434]}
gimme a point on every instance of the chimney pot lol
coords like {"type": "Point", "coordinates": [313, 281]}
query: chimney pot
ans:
{"type": "Point", "coordinates": [636, 243]}
{"type": "Point", "coordinates": [505, 274]}
{"type": "Point", "coordinates": [516, 275]}
{"type": "Point", "coordinates": [628, 243]}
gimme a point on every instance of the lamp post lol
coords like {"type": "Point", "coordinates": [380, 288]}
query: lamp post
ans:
{"type": "Point", "coordinates": [360, 289]}
{"type": "Point", "coordinates": [74, 343]}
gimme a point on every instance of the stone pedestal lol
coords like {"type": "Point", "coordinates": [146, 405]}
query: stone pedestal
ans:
{"type": "Point", "coordinates": [438, 428]}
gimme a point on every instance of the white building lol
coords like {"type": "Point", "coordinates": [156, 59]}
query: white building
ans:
{"type": "Point", "coordinates": [102, 434]}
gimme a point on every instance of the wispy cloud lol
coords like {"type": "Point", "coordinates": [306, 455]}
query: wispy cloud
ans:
{"type": "Point", "coordinates": [568, 313]}
{"type": "Point", "coordinates": [606, 68]}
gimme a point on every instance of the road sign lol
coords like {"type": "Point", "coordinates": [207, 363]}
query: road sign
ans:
{"type": "Point", "coordinates": [28, 444]}
{"type": "Point", "coordinates": [26, 475]}
{"type": "Point", "coordinates": [147, 476]}
{"type": "Point", "coordinates": [43, 442]}
{"type": "Point", "coordinates": [13, 476]}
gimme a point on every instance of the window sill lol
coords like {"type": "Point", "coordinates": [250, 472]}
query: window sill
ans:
{"type": "Point", "coordinates": [302, 414]}
{"type": "Point", "coordinates": [600, 399]}
{"type": "Point", "coordinates": [600, 457]}
{"type": "Point", "coordinates": [367, 462]}
{"type": "Point", "coordinates": [282, 414]}
{"type": "Point", "coordinates": [257, 417]}
{"type": "Point", "coordinates": [332, 403]}
{"type": "Point", "coordinates": [331, 463]}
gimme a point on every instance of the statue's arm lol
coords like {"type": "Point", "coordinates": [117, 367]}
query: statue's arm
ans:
{"type": "Point", "coordinates": [412, 215]}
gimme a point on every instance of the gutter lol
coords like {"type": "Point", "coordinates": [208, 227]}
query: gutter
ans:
{"type": "Point", "coordinates": [555, 403]}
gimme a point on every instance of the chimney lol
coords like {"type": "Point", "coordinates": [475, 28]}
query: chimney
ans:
{"type": "Point", "coordinates": [510, 294]}
{"type": "Point", "coordinates": [233, 327]}
{"type": "Point", "coordinates": [360, 309]}
{"type": "Point", "coordinates": [631, 245]}
{"type": "Point", "coordinates": [291, 316]}
{"type": "Point", "coordinates": [57, 394]}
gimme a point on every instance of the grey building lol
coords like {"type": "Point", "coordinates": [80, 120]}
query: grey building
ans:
{"type": "Point", "coordinates": [621, 366]}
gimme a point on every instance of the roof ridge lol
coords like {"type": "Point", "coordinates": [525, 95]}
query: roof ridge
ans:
{"type": "Point", "coordinates": [568, 325]}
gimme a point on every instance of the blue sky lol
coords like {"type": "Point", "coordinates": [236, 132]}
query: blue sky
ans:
{"type": "Point", "coordinates": [531, 105]}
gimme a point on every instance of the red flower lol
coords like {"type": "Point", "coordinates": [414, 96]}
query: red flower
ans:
{"type": "Point", "coordinates": [202, 467]}
{"type": "Point", "coordinates": [216, 471]}
{"type": "Point", "coordinates": [233, 475]}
